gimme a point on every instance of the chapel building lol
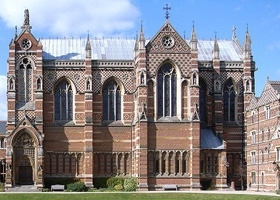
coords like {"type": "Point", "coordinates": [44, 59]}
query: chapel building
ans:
{"type": "Point", "coordinates": [168, 111]}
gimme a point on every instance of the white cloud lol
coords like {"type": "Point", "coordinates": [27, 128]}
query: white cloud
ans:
{"type": "Point", "coordinates": [72, 17]}
{"type": "Point", "coordinates": [3, 97]}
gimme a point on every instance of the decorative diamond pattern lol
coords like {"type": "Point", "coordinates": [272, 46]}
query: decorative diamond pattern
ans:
{"type": "Point", "coordinates": [75, 75]}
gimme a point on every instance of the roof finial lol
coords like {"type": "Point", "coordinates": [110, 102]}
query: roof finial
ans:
{"type": "Point", "coordinates": [26, 22]}
{"type": "Point", "coordinates": [215, 35]}
{"type": "Point", "coordinates": [193, 22]}
{"type": "Point", "coordinates": [166, 12]}
{"type": "Point", "coordinates": [233, 33]}
{"type": "Point", "coordinates": [26, 17]}
{"type": "Point", "coordinates": [15, 31]}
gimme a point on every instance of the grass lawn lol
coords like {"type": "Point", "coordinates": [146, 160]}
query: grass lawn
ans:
{"type": "Point", "coordinates": [134, 196]}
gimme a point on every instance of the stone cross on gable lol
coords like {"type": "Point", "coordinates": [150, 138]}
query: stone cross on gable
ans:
{"type": "Point", "coordinates": [166, 12]}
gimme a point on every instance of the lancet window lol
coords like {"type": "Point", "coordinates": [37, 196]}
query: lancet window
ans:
{"type": "Point", "coordinates": [167, 91]}
{"type": "Point", "coordinates": [63, 101]}
{"type": "Point", "coordinates": [25, 83]}
{"type": "Point", "coordinates": [229, 101]}
{"type": "Point", "coordinates": [111, 101]}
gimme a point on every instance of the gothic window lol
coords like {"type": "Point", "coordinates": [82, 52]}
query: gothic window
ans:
{"type": "Point", "coordinates": [229, 101]}
{"type": "Point", "coordinates": [167, 93]}
{"type": "Point", "coordinates": [63, 102]}
{"type": "Point", "coordinates": [25, 82]}
{"type": "Point", "coordinates": [202, 101]}
{"type": "Point", "coordinates": [111, 101]}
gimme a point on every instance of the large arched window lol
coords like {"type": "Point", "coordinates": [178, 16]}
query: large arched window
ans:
{"type": "Point", "coordinates": [111, 101]}
{"type": "Point", "coordinates": [63, 101]}
{"type": "Point", "coordinates": [167, 91]}
{"type": "Point", "coordinates": [202, 101]}
{"type": "Point", "coordinates": [25, 83]}
{"type": "Point", "coordinates": [229, 101]}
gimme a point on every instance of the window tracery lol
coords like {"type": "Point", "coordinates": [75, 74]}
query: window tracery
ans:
{"type": "Point", "coordinates": [111, 101]}
{"type": "Point", "coordinates": [167, 91]}
{"type": "Point", "coordinates": [202, 101]}
{"type": "Point", "coordinates": [25, 82]}
{"type": "Point", "coordinates": [229, 101]}
{"type": "Point", "coordinates": [63, 101]}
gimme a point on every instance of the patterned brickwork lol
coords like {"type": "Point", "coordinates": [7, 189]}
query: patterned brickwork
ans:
{"type": "Point", "coordinates": [100, 76]}
{"type": "Point", "coordinates": [74, 75]}
{"type": "Point", "coordinates": [20, 114]}
{"type": "Point", "coordinates": [179, 45]}
{"type": "Point", "coordinates": [235, 75]}
{"type": "Point", "coordinates": [182, 61]}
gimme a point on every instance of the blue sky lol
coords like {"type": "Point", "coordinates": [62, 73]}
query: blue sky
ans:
{"type": "Point", "coordinates": [121, 18]}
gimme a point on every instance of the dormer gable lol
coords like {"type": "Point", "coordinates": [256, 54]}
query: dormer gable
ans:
{"type": "Point", "coordinates": [167, 40]}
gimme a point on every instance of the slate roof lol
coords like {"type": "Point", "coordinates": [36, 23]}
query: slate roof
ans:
{"type": "Point", "coordinates": [123, 49]}
{"type": "Point", "coordinates": [74, 49]}
{"type": "Point", "coordinates": [209, 140]}
{"type": "Point", "coordinates": [3, 127]}
{"type": "Point", "coordinates": [229, 50]}
{"type": "Point", "coordinates": [270, 93]}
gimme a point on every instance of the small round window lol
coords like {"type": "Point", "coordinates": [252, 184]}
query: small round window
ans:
{"type": "Point", "coordinates": [26, 44]}
{"type": "Point", "coordinates": [167, 41]}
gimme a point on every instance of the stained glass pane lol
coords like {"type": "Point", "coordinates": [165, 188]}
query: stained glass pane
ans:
{"type": "Point", "coordinates": [174, 94]}
{"type": "Point", "coordinates": [111, 105]}
{"type": "Point", "coordinates": [160, 95]}
{"type": "Point", "coordinates": [202, 101]}
{"type": "Point", "coordinates": [70, 104]}
{"type": "Point", "coordinates": [229, 101]}
{"type": "Point", "coordinates": [167, 91]}
{"type": "Point", "coordinates": [63, 102]}
{"type": "Point", "coordinates": [232, 105]}
{"type": "Point", "coordinates": [57, 104]}
{"type": "Point", "coordinates": [105, 104]}
{"type": "Point", "coordinates": [118, 104]}
{"type": "Point", "coordinates": [167, 95]}
{"type": "Point", "coordinates": [226, 105]}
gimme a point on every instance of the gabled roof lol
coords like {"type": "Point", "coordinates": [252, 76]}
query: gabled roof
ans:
{"type": "Point", "coordinates": [74, 49]}
{"type": "Point", "coordinates": [229, 50]}
{"type": "Point", "coordinates": [270, 93]}
{"type": "Point", "coordinates": [275, 85]}
{"type": "Point", "coordinates": [123, 49]}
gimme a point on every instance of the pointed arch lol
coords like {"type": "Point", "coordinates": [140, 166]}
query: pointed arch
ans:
{"type": "Point", "coordinates": [64, 101]}
{"type": "Point", "coordinates": [112, 100]}
{"type": "Point", "coordinates": [229, 100]}
{"type": "Point", "coordinates": [25, 80]}
{"type": "Point", "coordinates": [167, 91]}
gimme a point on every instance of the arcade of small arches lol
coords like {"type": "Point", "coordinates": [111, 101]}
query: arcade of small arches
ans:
{"type": "Point", "coordinates": [63, 164]}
